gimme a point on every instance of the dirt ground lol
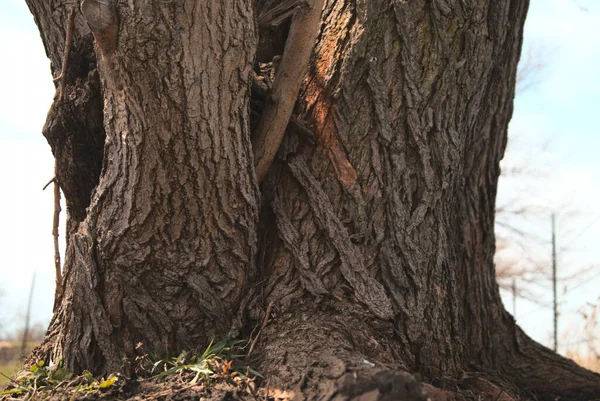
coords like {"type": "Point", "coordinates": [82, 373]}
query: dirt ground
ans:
{"type": "Point", "coordinates": [384, 386]}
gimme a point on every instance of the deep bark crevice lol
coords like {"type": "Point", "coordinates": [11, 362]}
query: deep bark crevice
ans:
{"type": "Point", "coordinates": [75, 129]}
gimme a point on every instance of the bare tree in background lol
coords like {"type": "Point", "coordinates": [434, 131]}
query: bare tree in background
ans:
{"type": "Point", "coordinates": [533, 63]}
{"type": "Point", "coordinates": [2, 315]}
{"type": "Point", "coordinates": [591, 331]}
{"type": "Point", "coordinates": [514, 241]}
{"type": "Point", "coordinates": [35, 334]}
{"type": "Point", "coordinates": [583, 5]}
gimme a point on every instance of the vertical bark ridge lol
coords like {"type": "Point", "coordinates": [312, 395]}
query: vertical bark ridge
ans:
{"type": "Point", "coordinates": [368, 290]}
{"type": "Point", "coordinates": [487, 141]}
{"type": "Point", "coordinates": [298, 247]}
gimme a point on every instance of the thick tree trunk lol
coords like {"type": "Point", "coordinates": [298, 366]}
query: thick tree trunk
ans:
{"type": "Point", "coordinates": [167, 248]}
{"type": "Point", "coordinates": [375, 240]}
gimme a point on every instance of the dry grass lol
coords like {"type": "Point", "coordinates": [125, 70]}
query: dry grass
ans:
{"type": "Point", "coordinates": [13, 363]}
{"type": "Point", "coordinates": [589, 362]}
{"type": "Point", "coordinates": [8, 369]}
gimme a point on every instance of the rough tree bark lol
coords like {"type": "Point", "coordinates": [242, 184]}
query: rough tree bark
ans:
{"type": "Point", "coordinates": [160, 256]}
{"type": "Point", "coordinates": [374, 241]}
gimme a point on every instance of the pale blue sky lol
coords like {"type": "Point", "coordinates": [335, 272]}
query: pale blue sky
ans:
{"type": "Point", "coordinates": [567, 97]}
{"type": "Point", "coordinates": [560, 110]}
{"type": "Point", "coordinates": [25, 163]}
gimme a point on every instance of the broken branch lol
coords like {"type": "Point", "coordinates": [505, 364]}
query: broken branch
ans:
{"type": "Point", "coordinates": [288, 80]}
{"type": "Point", "coordinates": [101, 17]}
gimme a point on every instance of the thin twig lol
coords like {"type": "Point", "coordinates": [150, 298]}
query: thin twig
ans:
{"type": "Point", "coordinates": [55, 223]}
{"type": "Point", "coordinates": [13, 382]}
{"type": "Point", "coordinates": [251, 385]}
{"type": "Point", "coordinates": [58, 387]}
{"type": "Point", "coordinates": [68, 47]}
{"type": "Point", "coordinates": [264, 324]}
{"type": "Point", "coordinates": [267, 389]}
{"type": "Point", "coordinates": [49, 182]}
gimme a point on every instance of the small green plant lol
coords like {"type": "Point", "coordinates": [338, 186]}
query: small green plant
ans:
{"type": "Point", "coordinates": [41, 377]}
{"type": "Point", "coordinates": [214, 365]}
{"type": "Point", "coordinates": [38, 376]}
{"type": "Point", "coordinates": [215, 362]}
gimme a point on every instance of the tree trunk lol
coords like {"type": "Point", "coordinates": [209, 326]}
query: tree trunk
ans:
{"type": "Point", "coordinates": [372, 241]}
{"type": "Point", "coordinates": [163, 257]}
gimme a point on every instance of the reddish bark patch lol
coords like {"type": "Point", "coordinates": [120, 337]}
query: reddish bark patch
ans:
{"type": "Point", "coordinates": [328, 138]}
{"type": "Point", "coordinates": [323, 112]}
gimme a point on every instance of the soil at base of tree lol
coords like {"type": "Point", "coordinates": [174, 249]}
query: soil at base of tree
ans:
{"type": "Point", "coordinates": [384, 385]}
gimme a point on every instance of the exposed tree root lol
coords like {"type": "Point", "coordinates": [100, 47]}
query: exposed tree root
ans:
{"type": "Point", "coordinates": [323, 358]}
{"type": "Point", "coordinates": [308, 356]}
{"type": "Point", "coordinates": [538, 370]}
